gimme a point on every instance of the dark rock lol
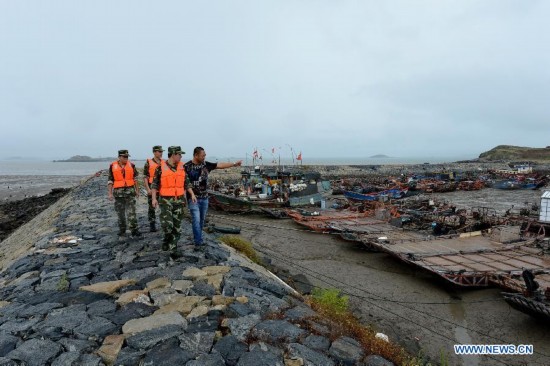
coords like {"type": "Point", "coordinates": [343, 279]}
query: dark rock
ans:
{"type": "Point", "coordinates": [149, 257]}
{"type": "Point", "coordinates": [78, 283]}
{"type": "Point", "coordinates": [216, 253]}
{"type": "Point", "coordinates": [203, 324]}
{"type": "Point", "coordinates": [101, 307]}
{"type": "Point", "coordinates": [51, 333]}
{"type": "Point", "coordinates": [129, 356]}
{"type": "Point", "coordinates": [240, 327]}
{"type": "Point", "coordinates": [230, 348]}
{"type": "Point", "coordinates": [139, 265]}
{"type": "Point", "coordinates": [96, 326]}
{"type": "Point", "coordinates": [197, 343]}
{"type": "Point", "coordinates": [261, 301]}
{"type": "Point", "coordinates": [318, 328]}
{"type": "Point", "coordinates": [138, 274]}
{"type": "Point", "coordinates": [40, 309]}
{"type": "Point", "coordinates": [13, 310]}
{"type": "Point", "coordinates": [213, 359]}
{"type": "Point", "coordinates": [299, 312]}
{"type": "Point", "coordinates": [19, 326]}
{"type": "Point", "coordinates": [52, 274]}
{"type": "Point", "coordinates": [317, 342]}
{"type": "Point", "coordinates": [7, 362]}
{"type": "Point", "coordinates": [174, 272]}
{"type": "Point", "coordinates": [201, 288]}
{"type": "Point", "coordinates": [301, 284]}
{"type": "Point", "coordinates": [84, 270]}
{"type": "Point", "coordinates": [276, 289]}
{"type": "Point", "coordinates": [310, 357]}
{"type": "Point", "coordinates": [28, 282]}
{"type": "Point", "coordinates": [50, 284]}
{"type": "Point", "coordinates": [26, 264]}
{"type": "Point", "coordinates": [7, 343]}
{"type": "Point", "coordinates": [277, 330]}
{"type": "Point", "coordinates": [167, 353]}
{"type": "Point", "coordinates": [149, 338]}
{"type": "Point", "coordinates": [66, 359]}
{"type": "Point", "coordinates": [89, 360]}
{"type": "Point", "coordinates": [265, 347]}
{"type": "Point", "coordinates": [346, 350]}
{"type": "Point", "coordinates": [111, 267]}
{"type": "Point", "coordinates": [103, 277]}
{"type": "Point", "coordinates": [131, 311]}
{"type": "Point", "coordinates": [65, 298]}
{"type": "Point", "coordinates": [77, 345]}
{"type": "Point", "coordinates": [257, 357]}
{"type": "Point", "coordinates": [36, 352]}
{"type": "Point", "coordinates": [66, 318]}
{"type": "Point", "coordinates": [375, 360]}
{"type": "Point", "coordinates": [237, 310]}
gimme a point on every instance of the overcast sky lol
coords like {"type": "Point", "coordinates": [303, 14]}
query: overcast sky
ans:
{"type": "Point", "coordinates": [329, 78]}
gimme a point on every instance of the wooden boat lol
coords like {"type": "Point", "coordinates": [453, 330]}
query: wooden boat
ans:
{"type": "Point", "coordinates": [394, 193]}
{"type": "Point", "coordinates": [535, 307]}
{"type": "Point", "coordinates": [514, 184]}
{"type": "Point", "coordinates": [534, 297]}
{"type": "Point", "coordinates": [261, 189]}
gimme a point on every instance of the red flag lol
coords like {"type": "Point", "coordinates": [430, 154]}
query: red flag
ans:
{"type": "Point", "coordinates": [299, 157]}
{"type": "Point", "coordinates": [255, 153]}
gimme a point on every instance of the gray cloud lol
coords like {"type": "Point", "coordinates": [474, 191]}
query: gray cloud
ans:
{"type": "Point", "coordinates": [350, 78]}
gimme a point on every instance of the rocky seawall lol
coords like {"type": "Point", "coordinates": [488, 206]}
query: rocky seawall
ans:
{"type": "Point", "coordinates": [72, 294]}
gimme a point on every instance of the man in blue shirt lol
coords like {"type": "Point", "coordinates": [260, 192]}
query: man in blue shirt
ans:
{"type": "Point", "coordinates": [197, 170]}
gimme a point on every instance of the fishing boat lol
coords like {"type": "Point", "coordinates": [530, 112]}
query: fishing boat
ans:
{"type": "Point", "coordinates": [534, 299]}
{"type": "Point", "coordinates": [393, 193]}
{"type": "Point", "coordinates": [261, 189]}
{"type": "Point", "coordinates": [514, 184]}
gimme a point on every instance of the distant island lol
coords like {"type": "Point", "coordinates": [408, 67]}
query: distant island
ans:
{"type": "Point", "coordinates": [516, 153]}
{"type": "Point", "coordinates": [378, 156]}
{"type": "Point", "coordinates": [83, 159]}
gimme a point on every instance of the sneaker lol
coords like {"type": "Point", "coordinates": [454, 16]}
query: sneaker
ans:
{"type": "Point", "coordinates": [199, 248]}
{"type": "Point", "coordinates": [153, 227]}
{"type": "Point", "coordinates": [165, 247]}
{"type": "Point", "coordinates": [176, 254]}
{"type": "Point", "coordinates": [121, 237]}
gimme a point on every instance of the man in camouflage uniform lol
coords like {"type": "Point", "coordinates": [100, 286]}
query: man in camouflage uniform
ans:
{"type": "Point", "coordinates": [148, 174]}
{"type": "Point", "coordinates": [123, 189]}
{"type": "Point", "coordinates": [170, 182]}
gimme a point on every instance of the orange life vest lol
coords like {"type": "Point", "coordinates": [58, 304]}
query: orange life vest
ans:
{"type": "Point", "coordinates": [123, 179]}
{"type": "Point", "coordinates": [152, 167]}
{"type": "Point", "coordinates": [171, 183]}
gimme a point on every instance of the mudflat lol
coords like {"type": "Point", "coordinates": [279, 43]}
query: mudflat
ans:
{"type": "Point", "coordinates": [412, 307]}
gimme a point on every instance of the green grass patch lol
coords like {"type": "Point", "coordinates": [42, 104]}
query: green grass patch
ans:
{"type": "Point", "coordinates": [243, 246]}
{"type": "Point", "coordinates": [331, 300]}
{"type": "Point", "coordinates": [63, 284]}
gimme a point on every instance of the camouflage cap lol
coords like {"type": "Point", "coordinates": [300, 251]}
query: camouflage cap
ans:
{"type": "Point", "coordinates": [123, 152]}
{"type": "Point", "coordinates": [175, 150]}
{"type": "Point", "coordinates": [157, 148]}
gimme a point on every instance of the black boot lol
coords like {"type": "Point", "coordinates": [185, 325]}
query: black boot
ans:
{"type": "Point", "coordinates": [175, 254]}
{"type": "Point", "coordinates": [153, 227]}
